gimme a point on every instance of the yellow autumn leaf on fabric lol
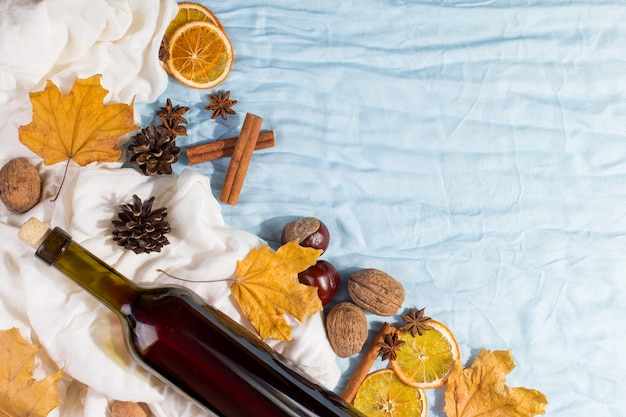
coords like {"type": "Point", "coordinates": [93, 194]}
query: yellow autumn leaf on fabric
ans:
{"type": "Point", "coordinates": [267, 287]}
{"type": "Point", "coordinates": [20, 394]}
{"type": "Point", "coordinates": [77, 125]}
{"type": "Point", "coordinates": [480, 390]}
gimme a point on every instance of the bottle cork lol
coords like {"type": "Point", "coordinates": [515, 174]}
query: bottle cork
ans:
{"type": "Point", "coordinates": [33, 232]}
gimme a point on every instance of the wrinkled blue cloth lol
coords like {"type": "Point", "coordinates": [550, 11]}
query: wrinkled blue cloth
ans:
{"type": "Point", "coordinates": [474, 150]}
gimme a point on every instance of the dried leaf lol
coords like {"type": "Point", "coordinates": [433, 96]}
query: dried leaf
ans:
{"type": "Point", "coordinates": [76, 125]}
{"type": "Point", "coordinates": [267, 287]}
{"type": "Point", "coordinates": [480, 390]}
{"type": "Point", "coordinates": [21, 395]}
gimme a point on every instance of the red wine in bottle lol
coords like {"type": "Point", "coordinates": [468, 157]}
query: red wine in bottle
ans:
{"type": "Point", "coordinates": [188, 344]}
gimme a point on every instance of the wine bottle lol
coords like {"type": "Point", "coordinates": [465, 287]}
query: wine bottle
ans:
{"type": "Point", "coordinates": [188, 344]}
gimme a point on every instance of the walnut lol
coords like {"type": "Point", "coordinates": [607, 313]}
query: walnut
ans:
{"type": "Point", "coordinates": [129, 409]}
{"type": "Point", "coordinates": [346, 328]}
{"type": "Point", "coordinates": [20, 185]}
{"type": "Point", "coordinates": [376, 291]}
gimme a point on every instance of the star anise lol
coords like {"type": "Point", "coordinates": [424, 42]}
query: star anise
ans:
{"type": "Point", "coordinates": [416, 322]}
{"type": "Point", "coordinates": [390, 345]}
{"type": "Point", "coordinates": [173, 127]}
{"type": "Point", "coordinates": [172, 118]}
{"type": "Point", "coordinates": [220, 105]}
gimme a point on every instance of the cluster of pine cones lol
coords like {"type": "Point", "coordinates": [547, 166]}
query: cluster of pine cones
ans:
{"type": "Point", "coordinates": [138, 227]}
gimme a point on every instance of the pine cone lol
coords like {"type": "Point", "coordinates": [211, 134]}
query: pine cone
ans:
{"type": "Point", "coordinates": [154, 151]}
{"type": "Point", "coordinates": [141, 229]}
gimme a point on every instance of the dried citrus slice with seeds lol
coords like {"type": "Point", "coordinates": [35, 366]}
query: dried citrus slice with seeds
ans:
{"type": "Point", "coordinates": [187, 12]}
{"type": "Point", "coordinates": [382, 394]}
{"type": "Point", "coordinates": [200, 55]}
{"type": "Point", "coordinates": [191, 12]}
{"type": "Point", "coordinates": [426, 361]}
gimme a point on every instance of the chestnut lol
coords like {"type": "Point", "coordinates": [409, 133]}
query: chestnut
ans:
{"type": "Point", "coordinates": [325, 277]}
{"type": "Point", "coordinates": [310, 232]}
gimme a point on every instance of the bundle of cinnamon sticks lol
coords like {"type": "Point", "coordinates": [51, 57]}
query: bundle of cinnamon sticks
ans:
{"type": "Point", "coordinates": [240, 149]}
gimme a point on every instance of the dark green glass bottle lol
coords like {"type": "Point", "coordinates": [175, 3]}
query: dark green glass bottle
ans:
{"type": "Point", "coordinates": [193, 347]}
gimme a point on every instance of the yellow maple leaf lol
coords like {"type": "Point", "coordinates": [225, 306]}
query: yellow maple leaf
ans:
{"type": "Point", "coordinates": [267, 287]}
{"type": "Point", "coordinates": [20, 394]}
{"type": "Point", "coordinates": [76, 126]}
{"type": "Point", "coordinates": [480, 390]}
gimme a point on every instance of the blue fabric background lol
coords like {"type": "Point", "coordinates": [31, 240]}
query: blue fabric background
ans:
{"type": "Point", "coordinates": [475, 150]}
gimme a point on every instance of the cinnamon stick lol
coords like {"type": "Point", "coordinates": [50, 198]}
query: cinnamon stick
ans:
{"type": "Point", "coordinates": [242, 153]}
{"type": "Point", "coordinates": [224, 147]}
{"type": "Point", "coordinates": [365, 365]}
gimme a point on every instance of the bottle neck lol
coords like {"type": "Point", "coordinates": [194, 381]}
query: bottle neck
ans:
{"type": "Point", "coordinates": [102, 281]}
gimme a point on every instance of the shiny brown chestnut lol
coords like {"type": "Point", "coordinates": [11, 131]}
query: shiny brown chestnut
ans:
{"type": "Point", "coordinates": [325, 277]}
{"type": "Point", "coordinates": [310, 232]}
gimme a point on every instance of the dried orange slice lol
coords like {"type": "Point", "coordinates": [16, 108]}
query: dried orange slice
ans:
{"type": "Point", "coordinates": [382, 394]}
{"type": "Point", "coordinates": [200, 55]}
{"type": "Point", "coordinates": [191, 12]}
{"type": "Point", "coordinates": [426, 361]}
